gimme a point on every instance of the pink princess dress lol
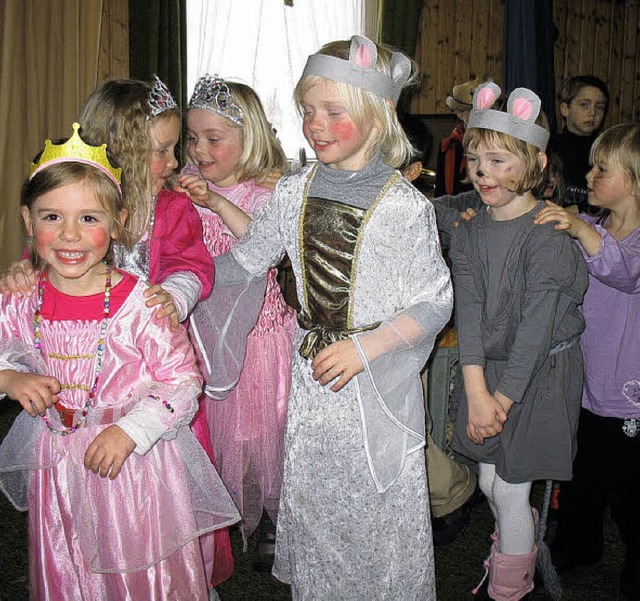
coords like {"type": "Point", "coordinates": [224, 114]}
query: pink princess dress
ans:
{"type": "Point", "coordinates": [247, 427]}
{"type": "Point", "coordinates": [92, 538]}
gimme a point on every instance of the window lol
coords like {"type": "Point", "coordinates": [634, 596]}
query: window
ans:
{"type": "Point", "coordinates": [265, 44]}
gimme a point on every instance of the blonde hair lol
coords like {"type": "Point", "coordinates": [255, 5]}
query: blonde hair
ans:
{"type": "Point", "coordinates": [117, 113]}
{"type": "Point", "coordinates": [620, 146]}
{"type": "Point", "coordinates": [261, 151]}
{"type": "Point", "coordinates": [365, 107]}
{"type": "Point", "coordinates": [59, 175]}
{"type": "Point", "coordinates": [533, 174]}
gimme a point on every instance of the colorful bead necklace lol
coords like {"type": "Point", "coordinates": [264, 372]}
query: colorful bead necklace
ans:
{"type": "Point", "coordinates": [37, 343]}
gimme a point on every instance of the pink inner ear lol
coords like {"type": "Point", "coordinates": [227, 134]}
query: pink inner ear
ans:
{"type": "Point", "coordinates": [363, 56]}
{"type": "Point", "coordinates": [522, 108]}
{"type": "Point", "coordinates": [485, 98]}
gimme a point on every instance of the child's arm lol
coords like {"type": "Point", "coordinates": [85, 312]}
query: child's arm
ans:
{"type": "Point", "coordinates": [614, 263]}
{"type": "Point", "coordinates": [569, 222]}
{"type": "Point", "coordinates": [555, 281]}
{"type": "Point", "coordinates": [167, 399]}
{"type": "Point", "coordinates": [179, 263]}
{"type": "Point", "coordinates": [234, 217]}
{"type": "Point", "coordinates": [34, 392]}
{"type": "Point", "coordinates": [19, 278]}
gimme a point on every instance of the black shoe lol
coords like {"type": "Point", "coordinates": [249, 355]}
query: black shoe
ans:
{"type": "Point", "coordinates": [265, 552]}
{"type": "Point", "coordinates": [630, 579]}
{"type": "Point", "coordinates": [446, 529]}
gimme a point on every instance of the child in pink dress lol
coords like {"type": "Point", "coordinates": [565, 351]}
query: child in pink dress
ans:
{"type": "Point", "coordinates": [118, 489]}
{"type": "Point", "coordinates": [230, 144]}
{"type": "Point", "coordinates": [141, 124]}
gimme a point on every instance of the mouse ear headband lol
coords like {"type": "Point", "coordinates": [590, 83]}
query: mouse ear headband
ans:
{"type": "Point", "coordinates": [523, 108]}
{"type": "Point", "coordinates": [359, 71]}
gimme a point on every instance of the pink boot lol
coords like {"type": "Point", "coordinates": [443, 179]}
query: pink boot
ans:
{"type": "Point", "coordinates": [511, 576]}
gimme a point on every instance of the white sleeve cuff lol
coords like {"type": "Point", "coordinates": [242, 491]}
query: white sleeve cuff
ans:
{"type": "Point", "coordinates": [185, 288]}
{"type": "Point", "coordinates": [144, 427]}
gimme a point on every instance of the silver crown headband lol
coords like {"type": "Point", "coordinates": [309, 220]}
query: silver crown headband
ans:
{"type": "Point", "coordinates": [160, 99]}
{"type": "Point", "coordinates": [523, 108]}
{"type": "Point", "coordinates": [359, 71]}
{"type": "Point", "coordinates": [212, 94]}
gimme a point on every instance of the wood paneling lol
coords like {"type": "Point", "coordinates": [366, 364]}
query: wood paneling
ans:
{"type": "Point", "coordinates": [460, 39]}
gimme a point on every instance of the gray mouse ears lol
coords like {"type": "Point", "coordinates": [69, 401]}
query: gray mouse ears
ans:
{"type": "Point", "coordinates": [365, 53]}
{"type": "Point", "coordinates": [359, 70]}
{"type": "Point", "coordinates": [523, 108]}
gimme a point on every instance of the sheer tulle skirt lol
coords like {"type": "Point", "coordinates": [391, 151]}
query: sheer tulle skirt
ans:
{"type": "Point", "coordinates": [247, 428]}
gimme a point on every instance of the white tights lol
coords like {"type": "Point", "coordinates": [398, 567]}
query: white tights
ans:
{"type": "Point", "coordinates": [510, 506]}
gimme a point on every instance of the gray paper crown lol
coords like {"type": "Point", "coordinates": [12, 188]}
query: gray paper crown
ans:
{"type": "Point", "coordinates": [523, 108]}
{"type": "Point", "coordinates": [359, 71]}
{"type": "Point", "coordinates": [212, 94]}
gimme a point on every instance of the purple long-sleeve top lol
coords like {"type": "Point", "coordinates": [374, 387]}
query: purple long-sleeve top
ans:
{"type": "Point", "coordinates": [611, 340]}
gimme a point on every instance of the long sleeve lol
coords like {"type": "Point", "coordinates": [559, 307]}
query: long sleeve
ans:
{"type": "Point", "coordinates": [469, 300]}
{"type": "Point", "coordinates": [555, 280]}
{"type": "Point", "coordinates": [168, 398]}
{"type": "Point", "coordinates": [393, 354]}
{"type": "Point", "coordinates": [617, 265]}
{"type": "Point", "coordinates": [262, 247]}
{"type": "Point", "coordinates": [177, 244]}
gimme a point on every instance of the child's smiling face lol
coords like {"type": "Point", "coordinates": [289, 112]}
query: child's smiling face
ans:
{"type": "Point", "coordinates": [72, 232]}
{"type": "Point", "coordinates": [215, 146]}
{"type": "Point", "coordinates": [336, 139]}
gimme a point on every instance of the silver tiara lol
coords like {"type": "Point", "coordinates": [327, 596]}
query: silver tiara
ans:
{"type": "Point", "coordinates": [160, 99]}
{"type": "Point", "coordinates": [212, 94]}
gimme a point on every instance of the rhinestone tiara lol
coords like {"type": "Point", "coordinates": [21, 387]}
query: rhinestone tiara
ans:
{"type": "Point", "coordinates": [212, 94]}
{"type": "Point", "coordinates": [160, 99]}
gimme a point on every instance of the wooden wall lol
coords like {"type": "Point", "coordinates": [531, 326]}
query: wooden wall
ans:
{"type": "Point", "coordinates": [601, 37]}
{"type": "Point", "coordinates": [458, 40]}
{"type": "Point", "coordinates": [463, 38]}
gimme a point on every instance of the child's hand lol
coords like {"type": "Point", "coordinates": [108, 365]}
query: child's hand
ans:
{"type": "Point", "coordinates": [505, 402]}
{"type": "Point", "coordinates": [158, 296]}
{"type": "Point", "coordinates": [108, 452]}
{"type": "Point", "coordinates": [20, 278]}
{"type": "Point", "coordinates": [34, 392]}
{"type": "Point", "coordinates": [340, 359]}
{"type": "Point", "coordinates": [466, 215]}
{"type": "Point", "coordinates": [200, 194]}
{"type": "Point", "coordinates": [270, 179]}
{"type": "Point", "coordinates": [486, 416]}
{"type": "Point", "coordinates": [564, 219]}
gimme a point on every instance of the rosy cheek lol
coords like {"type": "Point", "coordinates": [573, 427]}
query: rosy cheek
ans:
{"type": "Point", "coordinates": [344, 130]}
{"type": "Point", "coordinates": [155, 167]}
{"type": "Point", "coordinates": [99, 238]}
{"type": "Point", "coordinates": [43, 240]}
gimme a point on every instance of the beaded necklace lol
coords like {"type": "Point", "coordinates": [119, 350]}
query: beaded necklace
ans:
{"type": "Point", "coordinates": [37, 343]}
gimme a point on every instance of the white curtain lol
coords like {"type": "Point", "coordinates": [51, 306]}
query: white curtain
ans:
{"type": "Point", "coordinates": [265, 44]}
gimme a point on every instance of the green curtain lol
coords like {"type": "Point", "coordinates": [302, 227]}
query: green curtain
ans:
{"type": "Point", "coordinates": [400, 24]}
{"type": "Point", "coordinates": [399, 27]}
{"type": "Point", "coordinates": [158, 43]}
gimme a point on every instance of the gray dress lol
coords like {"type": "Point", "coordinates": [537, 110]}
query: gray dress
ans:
{"type": "Point", "coordinates": [518, 287]}
{"type": "Point", "coordinates": [339, 536]}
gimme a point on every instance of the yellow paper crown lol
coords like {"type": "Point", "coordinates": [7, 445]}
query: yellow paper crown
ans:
{"type": "Point", "coordinates": [75, 150]}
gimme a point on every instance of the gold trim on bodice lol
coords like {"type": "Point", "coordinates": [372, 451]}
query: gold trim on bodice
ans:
{"type": "Point", "coordinates": [330, 237]}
